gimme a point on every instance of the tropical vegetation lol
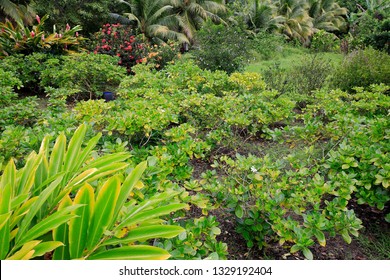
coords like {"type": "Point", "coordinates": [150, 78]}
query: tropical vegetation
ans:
{"type": "Point", "coordinates": [239, 129]}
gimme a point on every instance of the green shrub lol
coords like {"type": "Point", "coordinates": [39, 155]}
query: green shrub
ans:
{"type": "Point", "coordinates": [268, 45]}
{"type": "Point", "coordinates": [27, 68]}
{"type": "Point", "coordinates": [81, 76]}
{"type": "Point", "coordinates": [323, 41]}
{"type": "Point", "coordinates": [362, 68]}
{"type": "Point", "coordinates": [221, 48]}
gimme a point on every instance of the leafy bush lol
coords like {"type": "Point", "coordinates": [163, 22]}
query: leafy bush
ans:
{"type": "Point", "coordinates": [323, 41]}
{"type": "Point", "coordinates": [20, 39]}
{"type": "Point", "coordinates": [81, 76]}
{"type": "Point", "coordinates": [268, 45]}
{"type": "Point", "coordinates": [221, 48]}
{"type": "Point", "coordinates": [362, 68]}
{"type": "Point", "coordinates": [56, 208]}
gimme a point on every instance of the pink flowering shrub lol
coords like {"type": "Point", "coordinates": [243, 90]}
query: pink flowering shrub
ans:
{"type": "Point", "coordinates": [119, 40]}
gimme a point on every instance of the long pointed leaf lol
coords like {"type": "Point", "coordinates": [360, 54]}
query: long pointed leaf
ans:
{"type": "Point", "coordinates": [57, 155]}
{"type": "Point", "coordinates": [60, 234]}
{"type": "Point", "coordinates": [136, 252]}
{"type": "Point", "coordinates": [129, 184]}
{"type": "Point", "coordinates": [35, 207]}
{"type": "Point", "coordinates": [104, 210]}
{"type": "Point", "coordinates": [71, 161]}
{"type": "Point", "coordinates": [150, 214]}
{"type": "Point", "coordinates": [5, 207]}
{"type": "Point", "coordinates": [45, 247]}
{"type": "Point", "coordinates": [48, 224]}
{"type": "Point", "coordinates": [26, 251]}
{"type": "Point", "coordinates": [144, 233]}
{"type": "Point", "coordinates": [78, 227]}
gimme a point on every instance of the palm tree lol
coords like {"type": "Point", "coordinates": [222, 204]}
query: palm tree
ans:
{"type": "Point", "coordinates": [327, 15]}
{"type": "Point", "coordinates": [262, 16]}
{"type": "Point", "coordinates": [154, 19]}
{"type": "Point", "coordinates": [297, 24]}
{"type": "Point", "coordinates": [193, 13]}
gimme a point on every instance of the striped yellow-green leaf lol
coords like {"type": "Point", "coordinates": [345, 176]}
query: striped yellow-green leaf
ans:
{"type": "Point", "coordinates": [57, 155]}
{"type": "Point", "coordinates": [22, 211]}
{"type": "Point", "coordinates": [136, 252]}
{"type": "Point", "coordinates": [89, 147]}
{"type": "Point", "coordinates": [151, 214]}
{"type": "Point", "coordinates": [43, 248]}
{"type": "Point", "coordinates": [27, 173]}
{"type": "Point", "coordinates": [107, 159]}
{"type": "Point", "coordinates": [107, 170]}
{"type": "Point", "coordinates": [25, 223]}
{"type": "Point", "coordinates": [74, 148]}
{"type": "Point", "coordinates": [4, 219]}
{"type": "Point", "coordinates": [129, 184]}
{"type": "Point", "coordinates": [48, 224]}
{"type": "Point", "coordinates": [144, 233]}
{"type": "Point", "coordinates": [5, 207]}
{"type": "Point", "coordinates": [104, 210]}
{"type": "Point", "coordinates": [9, 177]}
{"type": "Point", "coordinates": [60, 234]}
{"type": "Point", "coordinates": [26, 252]}
{"type": "Point", "coordinates": [78, 227]}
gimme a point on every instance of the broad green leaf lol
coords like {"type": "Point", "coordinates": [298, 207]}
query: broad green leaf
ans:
{"type": "Point", "coordinates": [144, 233]}
{"type": "Point", "coordinates": [35, 207]}
{"type": "Point", "coordinates": [48, 224]}
{"type": "Point", "coordinates": [320, 237]}
{"type": "Point", "coordinates": [307, 253]}
{"type": "Point", "coordinates": [57, 155]}
{"type": "Point", "coordinates": [78, 227]}
{"type": "Point", "coordinates": [26, 251]}
{"type": "Point", "coordinates": [104, 211]}
{"type": "Point", "coordinates": [150, 214]}
{"type": "Point", "coordinates": [136, 252]}
{"type": "Point", "coordinates": [129, 184]}
{"type": "Point", "coordinates": [295, 248]}
{"type": "Point", "coordinates": [239, 211]}
{"type": "Point", "coordinates": [45, 247]}
{"type": "Point", "coordinates": [60, 234]}
{"type": "Point", "coordinates": [346, 236]}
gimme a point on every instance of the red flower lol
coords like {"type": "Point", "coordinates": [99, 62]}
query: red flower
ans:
{"type": "Point", "coordinates": [38, 19]}
{"type": "Point", "coordinates": [32, 33]}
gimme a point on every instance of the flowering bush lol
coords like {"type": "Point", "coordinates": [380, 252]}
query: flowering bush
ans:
{"type": "Point", "coordinates": [163, 54]}
{"type": "Point", "coordinates": [17, 38]}
{"type": "Point", "coordinates": [119, 40]}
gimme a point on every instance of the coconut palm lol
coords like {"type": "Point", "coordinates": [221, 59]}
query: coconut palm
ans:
{"type": "Point", "coordinates": [297, 22]}
{"type": "Point", "coordinates": [154, 19]}
{"type": "Point", "coordinates": [262, 16]}
{"type": "Point", "coordinates": [193, 13]}
{"type": "Point", "coordinates": [327, 15]}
